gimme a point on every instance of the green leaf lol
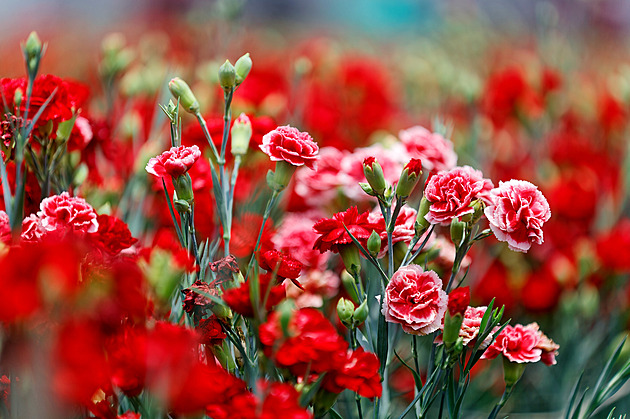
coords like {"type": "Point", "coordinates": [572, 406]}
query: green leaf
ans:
{"type": "Point", "coordinates": [416, 376]}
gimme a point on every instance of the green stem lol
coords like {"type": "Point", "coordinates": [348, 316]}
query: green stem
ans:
{"type": "Point", "coordinates": [504, 398]}
{"type": "Point", "coordinates": [270, 204]}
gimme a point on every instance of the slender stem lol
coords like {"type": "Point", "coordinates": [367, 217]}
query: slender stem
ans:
{"type": "Point", "coordinates": [504, 398]}
{"type": "Point", "coordinates": [414, 352]}
{"type": "Point", "coordinates": [204, 128]}
{"type": "Point", "coordinates": [417, 252]}
{"type": "Point", "coordinates": [270, 204]}
{"type": "Point", "coordinates": [227, 229]}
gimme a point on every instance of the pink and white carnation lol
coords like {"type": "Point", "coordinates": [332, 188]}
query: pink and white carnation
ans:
{"type": "Point", "coordinates": [288, 144]}
{"type": "Point", "coordinates": [5, 228]}
{"type": "Point", "coordinates": [392, 160]}
{"type": "Point", "coordinates": [435, 151]}
{"type": "Point", "coordinates": [32, 229]}
{"type": "Point", "coordinates": [485, 194]}
{"type": "Point", "coordinates": [451, 193]}
{"type": "Point", "coordinates": [517, 214]}
{"type": "Point", "coordinates": [318, 286]}
{"type": "Point", "coordinates": [549, 347]}
{"type": "Point", "coordinates": [174, 162]}
{"type": "Point", "coordinates": [470, 327]}
{"type": "Point", "coordinates": [415, 299]}
{"type": "Point", "coordinates": [296, 237]}
{"type": "Point", "coordinates": [67, 213]}
{"type": "Point", "coordinates": [517, 343]}
{"type": "Point", "coordinates": [318, 188]}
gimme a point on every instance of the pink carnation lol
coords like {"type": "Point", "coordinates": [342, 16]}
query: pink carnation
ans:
{"type": "Point", "coordinates": [471, 324]}
{"type": "Point", "coordinates": [65, 212]}
{"type": "Point", "coordinates": [517, 344]}
{"type": "Point", "coordinates": [451, 193]}
{"type": "Point", "coordinates": [297, 237]}
{"type": "Point", "coordinates": [174, 162]}
{"type": "Point", "coordinates": [32, 230]}
{"type": "Point", "coordinates": [435, 151]}
{"type": "Point", "coordinates": [5, 228]}
{"type": "Point", "coordinates": [289, 144]}
{"type": "Point", "coordinates": [318, 286]}
{"type": "Point", "coordinates": [319, 188]}
{"type": "Point", "coordinates": [549, 347]}
{"type": "Point", "coordinates": [415, 299]}
{"type": "Point", "coordinates": [517, 214]}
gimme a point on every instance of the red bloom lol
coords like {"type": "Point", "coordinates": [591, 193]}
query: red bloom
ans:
{"type": "Point", "coordinates": [113, 235]}
{"type": "Point", "coordinates": [280, 263]}
{"type": "Point", "coordinates": [66, 213]}
{"type": "Point", "coordinates": [333, 234]}
{"type": "Point", "coordinates": [210, 331]}
{"type": "Point", "coordinates": [174, 162]}
{"type": "Point", "coordinates": [414, 167]}
{"type": "Point", "coordinates": [458, 301]}
{"type": "Point", "coordinates": [358, 373]}
{"type": "Point", "coordinates": [288, 144]}
{"type": "Point", "coordinates": [245, 232]}
{"type": "Point", "coordinates": [239, 299]}
{"type": "Point", "coordinates": [613, 248]}
{"type": "Point", "coordinates": [435, 151]}
{"type": "Point", "coordinates": [196, 302]}
{"type": "Point", "coordinates": [224, 268]}
{"type": "Point", "coordinates": [126, 354]}
{"type": "Point", "coordinates": [451, 193]}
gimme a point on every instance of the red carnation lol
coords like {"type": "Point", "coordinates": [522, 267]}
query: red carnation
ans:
{"type": "Point", "coordinates": [113, 235]}
{"type": "Point", "coordinates": [224, 268]}
{"type": "Point", "coordinates": [211, 332]}
{"type": "Point", "coordinates": [174, 162]}
{"type": "Point", "coordinates": [195, 300]}
{"type": "Point", "coordinates": [67, 213]}
{"type": "Point", "coordinates": [458, 301]}
{"type": "Point", "coordinates": [333, 234]}
{"type": "Point", "coordinates": [358, 373]}
{"type": "Point", "coordinates": [239, 299]}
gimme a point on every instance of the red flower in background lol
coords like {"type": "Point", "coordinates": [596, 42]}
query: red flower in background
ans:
{"type": "Point", "coordinates": [333, 234]}
{"type": "Point", "coordinates": [113, 235]}
{"type": "Point", "coordinates": [358, 373]}
{"type": "Point", "coordinates": [458, 301]}
{"type": "Point", "coordinates": [435, 151]}
{"type": "Point", "coordinates": [239, 299]}
{"type": "Point", "coordinates": [613, 247]}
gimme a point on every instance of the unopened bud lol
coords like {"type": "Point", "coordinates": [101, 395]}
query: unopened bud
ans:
{"type": "Point", "coordinates": [367, 188]}
{"type": "Point", "coordinates": [17, 96]}
{"type": "Point", "coordinates": [408, 178]}
{"type": "Point", "coordinates": [421, 223]}
{"type": "Point", "coordinates": [348, 283]}
{"type": "Point", "coordinates": [242, 67]}
{"type": "Point", "coordinates": [478, 207]}
{"type": "Point", "coordinates": [351, 259]}
{"type": "Point", "coordinates": [221, 311]}
{"type": "Point", "coordinates": [183, 188]}
{"type": "Point", "coordinates": [32, 50]}
{"type": "Point", "coordinates": [374, 243]}
{"type": "Point", "coordinates": [227, 76]}
{"type": "Point", "coordinates": [457, 231]}
{"type": "Point", "coordinates": [361, 313]}
{"type": "Point", "coordinates": [180, 90]}
{"type": "Point", "coordinates": [374, 175]}
{"type": "Point", "coordinates": [241, 134]}
{"type": "Point", "coordinates": [345, 311]}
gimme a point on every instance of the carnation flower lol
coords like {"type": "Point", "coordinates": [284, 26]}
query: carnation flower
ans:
{"type": "Point", "coordinates": [288, 144]}
{"type": "Point", "coordinates": [113, 235]}
{"type": "Point", "coordinates": [517, 343]}
{"type": "Point", "coordinates": [174, 162]}
{"type": "Point", "coordinates": [210, 331]}
{"type": "Point", "coordinates": [239, 299]}
{"type": "Point", "coordinates": [195, 300]}
{"type": "Point", "coordinates": [415, 299]}
{"type": "Point", "coordinates": [451, 193]}
{"type": "Point", "coordinates": [458, 300]}
{"type": "Point", "coordinates": [517, 214]}
{"type": "Point", "coordinates": [65, 212]}
{"type": "Point", "coordinates": [470, 327]}
{"type": "Point", "coordinates": [333, 234]}
{"type": "Point", "coordinates": [296, 237]}
{"type": "Point", "coordinates": [224, 269]}
{"type": "Point", "coordinates": [549, 347]}
{"type": "Point", "coordinates": [5, 228]}
{"type": "Point", "coordinates": [319, 188]}
{"type": "Point", "coordinates": [358, 373]}
{"type": "Point", "coordinates": [435, 151]}
{"type": "Point", "coordinates": [317, 285]}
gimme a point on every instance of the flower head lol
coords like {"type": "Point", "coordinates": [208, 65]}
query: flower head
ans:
{"type": "Point", "coordinates": [333, 234]}
{"type": "Point", "coordinates": [67, 213]}
{"type": "Point", "coordinates": [435, 151]}
{"type": "Point", "coordinates": [174, 162]}
{"type": "Point", "coordinates": [517, 214]}
{"type": "Point", "coordinates": [415, 299]}
{"type": "Point", "coordinates": [288, 144]}
{"type": "Point", "coordinates": [517, 343]}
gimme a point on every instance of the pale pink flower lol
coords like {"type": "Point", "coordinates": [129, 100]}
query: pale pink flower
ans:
{"type": "Point", "coordinates": [447, 253]}
{"type": "Point", "coordinates": [415, 299]}
{"type": "Point", "coordinates": [435, 151]}
{"type": "Point", "coordinates": [451, 193]}
{"type": "Point", "coordinates": [291, 145]}
{"type": "Point", "coordinates": [5, 228]}
{"type": "Point", "coordinates": [296, 237]}
{"type": "Point", "coordinates": [68, 213]}
{"type": "Point", "coordinates": [174, 162]}
{"type": "Point", "coordinates": [318, 187]}
{"type": "Point", "coordinates": [517, 214]}
{"type": "Point", "coordinates": [518, 344]}
{"type": "Point", "coordinates": [318, 287]}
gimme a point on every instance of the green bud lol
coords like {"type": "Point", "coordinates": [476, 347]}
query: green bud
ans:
{"type": "Point", "coordinates": [351, 259]}
{"type": "Point", "coordinates": [221, 311]}
{"type": "Point", "coordinates": [374, 243]}
{"type": "Point", "coordinates": [348, 283]}
{"type": "Point", "coordinates": [361, 313]}
{"type": "Point", "coordinates": [345, 311]}
{"type": "Point", "coordinates": [180, 90]}
{"type": "Point", "coordinates": [181, 206]}
{"type": "Point", "coordinates": [241, 134]}
{"type": "Point", "coordinates": [484, 233]}
{"type": "Point", "coordinates": [32, 51]}
{"type": "Point", "coordinates": [512, 371]}
{"type": "Point", "coordinates": [242, 68]}
{"type": "Point", "coordinates": [408, 178]}
{"type": "Point", "coordinates": [17, 96]}
{"type": "Point", "coordinates": [285, 309]}
{"type": "Point", "coordinates": [367, 188]}
{"type": "Point", "coordinates": [452, 325]}
{"type": "Point", "coordinates": [183, 188]}
{"type": "Point", "coordinates": [477, 206]}
{"type": "Point", "coordinates": [374, 175]}
{"type": "Point", "coordinates": [457, 231]}
{"type": "Point", "coordinates": [227, 76]}
{"type": "Point", "coordinates": [421, 223]}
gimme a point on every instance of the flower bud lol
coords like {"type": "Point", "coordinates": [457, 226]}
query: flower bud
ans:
{"type": "Point", "coordinates": [285, 309]}
{"type": "Point", "coordinates": [17, 97]}
{"type": "Point", "coordinates": [183, 188]}
{"type": "Point", "coordinates": [421, 223]}
{"type": "Point", "coordinates": [279, 179]}
{"type": "Point", "coordinates": [221, 311]}
{"type": "Point", "coordinates": [484, 233]}
{"type": "Point", "coordinates": [242, 68]}
{"type": "Point", "coordinates": [512, 371]}
{"type": "Point", "coordinates": [452, 325]}
{"type": "Point", "coordinates": [241, 134]}
{"type": "Point", "coordinates": [457, 231]}
{"type": "Point", "coordinates": [458, 301]}
{"type": "Point", "coordinates": [351, 259]}
{"type": "Point", "coordinates": [32, 51]}
{"type": "Point", "coordinates": [374, 175]}
{"type": "Point", "coordinates": [367, 188]}
{"type": "Point", "coordinates": [180, 90]}
{"type": "Point", "coordinates": [408, 178]}
{"type": "Point", "coordinates": [361, 313]}
{"type": "Point", "coordinates": [478, 207]}
{"type": "Point", "coordinates": [227, 76]}
{"type": "Point", "coordinates": [374, 243]}
{"type": "Point", "coordinates": [350, 287]}
{"type": "Point", "coordinates": [181, 206]}
{"type": "Point", "coordinates": [345, 311]}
